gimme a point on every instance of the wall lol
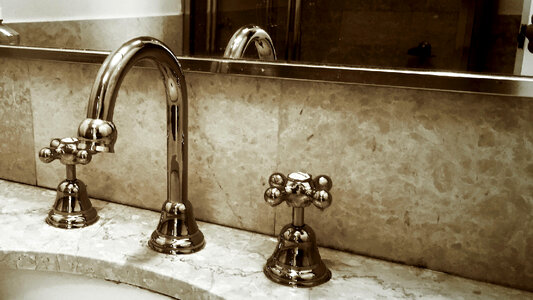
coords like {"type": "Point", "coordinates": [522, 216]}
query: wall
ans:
{"type": "Point", "coordinates": [434, 179]}
{"type": "Point", "coordinates": [62, 10]}
{"type": "Point", "coordinates": [101, 34]}
{"type": "Point", "coordinates": [94, 25]}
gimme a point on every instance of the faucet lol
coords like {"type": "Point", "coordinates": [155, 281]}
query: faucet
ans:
{"type": "Point", "coordinates": [177, 231]}
{"type": "Point", "coordinates": [244, 36]}
{"type": "Point", "coordinates": [296, 260]}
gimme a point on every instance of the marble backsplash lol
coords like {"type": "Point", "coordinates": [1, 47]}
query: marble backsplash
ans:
{"type": "Point", "coordinates": [17, 159]}
{"type": "Point", "coordinates": [434, 179]}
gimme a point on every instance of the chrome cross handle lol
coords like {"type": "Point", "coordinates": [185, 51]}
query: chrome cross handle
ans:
{"type": "Point", "coordinates": [72, 208]}
{"type": "Point", "coordinates": [299, 190]}
{"type": "Point", "coordinates": [67, 151]}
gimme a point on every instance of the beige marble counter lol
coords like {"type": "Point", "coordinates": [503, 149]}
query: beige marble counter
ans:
{"type": "Point", "coordinates": [230, 266]}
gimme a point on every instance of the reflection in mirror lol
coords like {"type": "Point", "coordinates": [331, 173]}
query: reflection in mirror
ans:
{"type": "Point", "coordinates": [244, 37]}
{"type": "Point", "coordinates": [214, 22]}
{"type": "Point", "coordinates": [454, 35]}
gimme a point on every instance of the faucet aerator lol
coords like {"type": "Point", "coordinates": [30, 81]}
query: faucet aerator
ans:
{"type": "Point", "coordinates": [97, 135]}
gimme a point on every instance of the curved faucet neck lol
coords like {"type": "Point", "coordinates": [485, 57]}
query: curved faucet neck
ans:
{"type": "Point", "coordinates": [244, 36]}
{"type": "Point", "coordinates": [112, 72]}
{"type": "Point", "coordinates": [98, 130]}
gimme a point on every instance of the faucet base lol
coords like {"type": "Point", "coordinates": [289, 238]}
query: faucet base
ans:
{"type": "Point", "coordinates": [72, 207]}
{"type": "Point", "coordinates": [177, 232]}
{"type": "Point", "coordinates": [296, 260]}
{"type": "Point", "coordinates": [176, 245]}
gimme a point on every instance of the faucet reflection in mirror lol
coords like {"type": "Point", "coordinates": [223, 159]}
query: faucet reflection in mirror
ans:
{"type": "Point", "coordinates": [239, 43]}
{"type": "Point", "coordinates": [244, 36]}
{"type": "Point", "coordinates": [177, 231]}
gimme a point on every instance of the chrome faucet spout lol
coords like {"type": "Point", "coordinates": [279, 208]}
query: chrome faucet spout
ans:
{"type": "Point", "coordinates": [244, 36]}
{"type": "Point", "coordinates": [177, 231]}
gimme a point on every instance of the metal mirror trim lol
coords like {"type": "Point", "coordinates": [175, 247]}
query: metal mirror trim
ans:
{"type": "Point", "coordinates": [428, 80]}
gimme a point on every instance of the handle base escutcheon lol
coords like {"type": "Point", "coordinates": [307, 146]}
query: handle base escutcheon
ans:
{"type": "Point", "coordinates": [296, 260]}
{"type": "Point", "coordinates": [72, 207]}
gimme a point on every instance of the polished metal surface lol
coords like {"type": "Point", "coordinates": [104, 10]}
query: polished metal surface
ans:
{"type": "Point", "coordinates": [244, 37]}
{"type": "Point", "coordinates": [296, 260]}
{"type": "Point", "coordinates": [72, 207]}
{"type": "Point", "coordinates": [177, 231]}
{"type": "Point", "coordinates": [520, 86]}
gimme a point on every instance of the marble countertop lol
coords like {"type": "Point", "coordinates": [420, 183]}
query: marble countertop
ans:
{"type": "Point", "coordinates": [115, 248]}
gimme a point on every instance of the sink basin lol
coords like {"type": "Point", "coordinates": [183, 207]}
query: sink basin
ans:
{"type": "Point", "coordinates": [37, 285]}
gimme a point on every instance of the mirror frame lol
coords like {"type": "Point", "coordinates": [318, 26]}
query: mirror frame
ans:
{"type": "Point", "coordinates": [518, 86]}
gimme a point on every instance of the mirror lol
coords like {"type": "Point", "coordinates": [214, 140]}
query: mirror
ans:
{"type": "Point", "coordinates": [455, 45]}
{"type": "Point", "coordinates": [454, 35]}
